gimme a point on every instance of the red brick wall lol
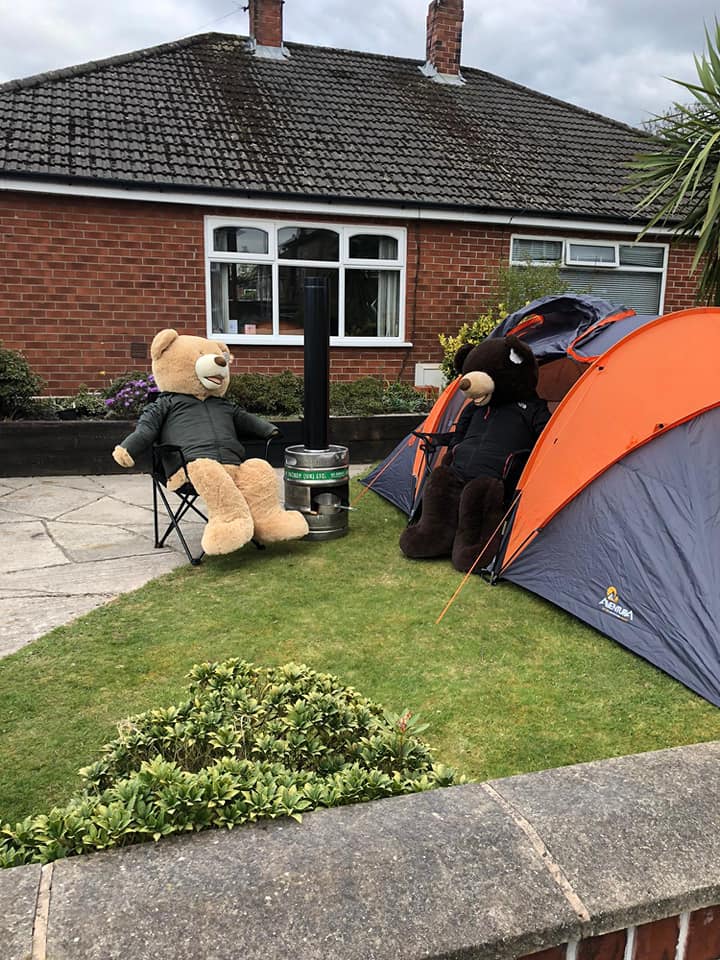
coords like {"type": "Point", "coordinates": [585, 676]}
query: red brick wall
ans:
{"type": "Point", "coordinates": [85, 284]}
{"type": "Point", "coordinates": [689, 936]}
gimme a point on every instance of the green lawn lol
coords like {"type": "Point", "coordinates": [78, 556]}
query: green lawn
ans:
{"type": "Point", "coordinates": [506, 682]}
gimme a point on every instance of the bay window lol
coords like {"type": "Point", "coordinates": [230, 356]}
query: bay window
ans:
{"type": "Point", "coordinates": [256, 273]}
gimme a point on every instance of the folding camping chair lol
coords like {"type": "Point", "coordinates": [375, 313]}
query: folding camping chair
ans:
{"type": "Point", "coordinates": [187, 495]}
{"type": "Point", "coordinates": [432, 445]}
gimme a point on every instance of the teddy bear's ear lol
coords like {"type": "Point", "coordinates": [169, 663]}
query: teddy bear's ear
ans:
{"type": "Point", "coordinates": [461, 356]}
{"type": "Point", "coordinates": [161, 342]}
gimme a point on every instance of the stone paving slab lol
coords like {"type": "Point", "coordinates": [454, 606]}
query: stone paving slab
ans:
{"type": "Point", "coordinates": [47, 500]}
{"type": "Point", "coordinates": [18, 894]}
{"type": "Point", "coordinates": [109, 510]}
{"type": "Point", "coordinates": [77, 483]}
{"type": "Point", "coordinates": [26, 545]}
{"type": "Point", "coordinates": [11, 516]}
{"type": "Point", "coordinates": [79, 579]}
{"type": "Point", "coordinates": [438, 874]}
{"type": "Point", "coordinates": [23, 619]}
{"type": "Point", "coordinates": [84, 542]}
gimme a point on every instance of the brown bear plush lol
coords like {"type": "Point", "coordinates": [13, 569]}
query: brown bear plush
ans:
{"type": "Point", "coordinates": [462, 505]}
{"type": "Point", "coordinates": [241, 495]}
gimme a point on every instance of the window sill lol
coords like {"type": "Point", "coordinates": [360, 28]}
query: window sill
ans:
{"type": "Point", "coordinates": [266, 341]}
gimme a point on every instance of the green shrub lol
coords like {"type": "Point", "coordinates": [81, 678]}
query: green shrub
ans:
{"type": "Point", "coordinates": [401, 397]}
{"type": "Point", "coordinates": [18, 385]}
{"type": "Point", "coordinates": [517, 286]}
{"type": "Point", "coordinates": [360, 398]}
{"type": "Point", "coordinates": [248, 743]}
{"type": "Point", "coordinates": [468, 333]}
{"type": "Point", "coordinates": [277, 395]}
{"type": "Point", "coordinates": [85, 404]}
{"type": "Point", "coordinates": [513, 288]}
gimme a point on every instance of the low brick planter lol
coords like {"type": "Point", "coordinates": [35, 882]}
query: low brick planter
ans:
{"type": "Point", "coordinates": [54, 448]}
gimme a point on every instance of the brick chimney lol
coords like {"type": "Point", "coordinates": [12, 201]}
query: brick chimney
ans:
{"type": "Point", "coordinates": [266, 28]}
{"type": "Point", "coordinates": [444, 41]}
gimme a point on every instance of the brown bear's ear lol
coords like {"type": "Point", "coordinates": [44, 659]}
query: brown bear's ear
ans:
{"type": "Point", "coordinates": [161, 342]}
{"type": "Point", "coordinates": [461, 356]}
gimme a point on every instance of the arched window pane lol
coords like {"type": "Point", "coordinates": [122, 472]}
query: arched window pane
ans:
{"type": "Point", "coordinates": [308, 243]}
{"type": "Point", "coordinates": [240, 239]}
{"type": "Point", "coordinates": [366, 246]}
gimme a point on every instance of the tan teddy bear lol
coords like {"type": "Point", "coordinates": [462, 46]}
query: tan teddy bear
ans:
{"type": "Point", "coordinates": [241, 495]}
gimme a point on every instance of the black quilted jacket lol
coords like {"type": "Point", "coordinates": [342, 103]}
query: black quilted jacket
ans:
{"type": "Point", "coordinates": [210, 428]}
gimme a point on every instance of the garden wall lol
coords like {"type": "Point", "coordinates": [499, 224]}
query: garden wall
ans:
{"type": "Point", "coordinates": [47, 448]}
{"type": "Point", "coordinates": [613, 860]}
{"type": "Point", "coordinates": [88, 282]}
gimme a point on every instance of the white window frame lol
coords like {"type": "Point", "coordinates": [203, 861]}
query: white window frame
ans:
{"type": "Point", "coordinates": [345, 231]}
{"type": "Point", "coordinates": [589, 262]}
{"type": "Point", "coordinates": [622, 268]}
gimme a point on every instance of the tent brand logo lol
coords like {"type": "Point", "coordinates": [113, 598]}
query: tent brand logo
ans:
{"type": "Point", "coordinates": [612, 604]}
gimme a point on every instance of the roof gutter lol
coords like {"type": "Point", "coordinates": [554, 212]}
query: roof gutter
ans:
{"type": "Point", "coordinates": [333, 206]}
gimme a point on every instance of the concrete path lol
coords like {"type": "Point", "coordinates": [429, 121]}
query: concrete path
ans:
{"type": "Point", "coordinates": [70, 544]}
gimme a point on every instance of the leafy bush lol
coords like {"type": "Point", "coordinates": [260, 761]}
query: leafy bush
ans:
{"type": "Point", "coordinates": [131, 396]}
{"type": "Point", "coordinates": [360, 398]}
{"type": "Point", "coordinates": [18, 384]}
{"type": "Point", "coordinates": [517, 286]}
{"type": "Point", "coordinates": [85, 403]}
{"type": "Point", "coordinates": [514, 287]}
{"type": "Point", "coordinates": [278, 395]}
{"type": "Point", "coordinates": [399, 397]}
{"type": "Point", "coordinates": [468, 333]}
{"type": "Point", "coordinates": [248, 743]}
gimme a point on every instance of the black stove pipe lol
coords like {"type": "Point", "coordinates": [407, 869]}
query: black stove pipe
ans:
{"type": "Point", "coordinates": [317, 364]}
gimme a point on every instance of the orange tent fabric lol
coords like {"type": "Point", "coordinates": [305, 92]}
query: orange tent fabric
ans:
{"type": "Point", "coordinates": [659, 376]}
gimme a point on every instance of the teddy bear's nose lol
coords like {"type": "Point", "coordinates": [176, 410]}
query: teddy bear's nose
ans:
{"type": "Point", "coordinates": [221, 361]}
{"type": "Point", "coordinates": [464, 384]}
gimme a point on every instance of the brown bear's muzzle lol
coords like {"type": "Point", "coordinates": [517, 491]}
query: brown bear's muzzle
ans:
{"type": "Point", "coordinates": [478, 386]}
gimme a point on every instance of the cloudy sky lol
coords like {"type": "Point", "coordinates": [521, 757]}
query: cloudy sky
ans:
{"type": "Point", "coordinates": [611, 56]}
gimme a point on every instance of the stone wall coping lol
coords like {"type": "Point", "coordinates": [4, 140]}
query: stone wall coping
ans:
{"type": "Point", "coordinates": [488, 870]}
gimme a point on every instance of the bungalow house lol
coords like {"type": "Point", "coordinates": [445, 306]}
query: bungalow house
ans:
{"type": "Point", "coordinates": [199, 183]}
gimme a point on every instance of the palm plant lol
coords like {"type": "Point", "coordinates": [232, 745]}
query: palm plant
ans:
{"type": "Point", "coordinates": [681, 173]}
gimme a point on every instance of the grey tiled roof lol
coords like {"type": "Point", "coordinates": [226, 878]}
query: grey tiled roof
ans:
{"type": "Point", "coordinates": [204, 113]}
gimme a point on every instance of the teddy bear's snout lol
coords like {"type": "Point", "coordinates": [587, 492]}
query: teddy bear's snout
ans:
{"type": "Point", "coordinates": [212, 370]}
{"type": "Point", "coordinates": [478, 386]}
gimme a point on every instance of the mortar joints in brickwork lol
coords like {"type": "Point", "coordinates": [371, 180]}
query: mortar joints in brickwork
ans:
{"type": "Point", "coordinates": [683, 930]}
{"type": "Point", "coordinates": [629, 943]}
{"type": "Point", "coordinates": [538, 845]}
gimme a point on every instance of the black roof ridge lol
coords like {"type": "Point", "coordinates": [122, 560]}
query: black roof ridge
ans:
{"type": "Point", "coordinates": [78, 70]}
{"type": "Point", "coordinates": [91, 65]}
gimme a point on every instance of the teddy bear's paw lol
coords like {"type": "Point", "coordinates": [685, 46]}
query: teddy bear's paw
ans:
{"type": "Point", "coordinates": [225, 536]}
{"type": "Point", "coordinates": [282, 525]}
{"type": "Point", "coordinates": [425, 542]}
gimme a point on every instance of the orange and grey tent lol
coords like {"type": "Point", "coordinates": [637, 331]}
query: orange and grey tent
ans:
{"type": "Point", "coordinates": [617, 518]}
{"type": "Point", "coordinates": [565, 333]}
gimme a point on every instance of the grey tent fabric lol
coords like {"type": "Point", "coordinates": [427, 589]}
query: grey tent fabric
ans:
{"type": "Point", "coordinates": [637, 554]}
